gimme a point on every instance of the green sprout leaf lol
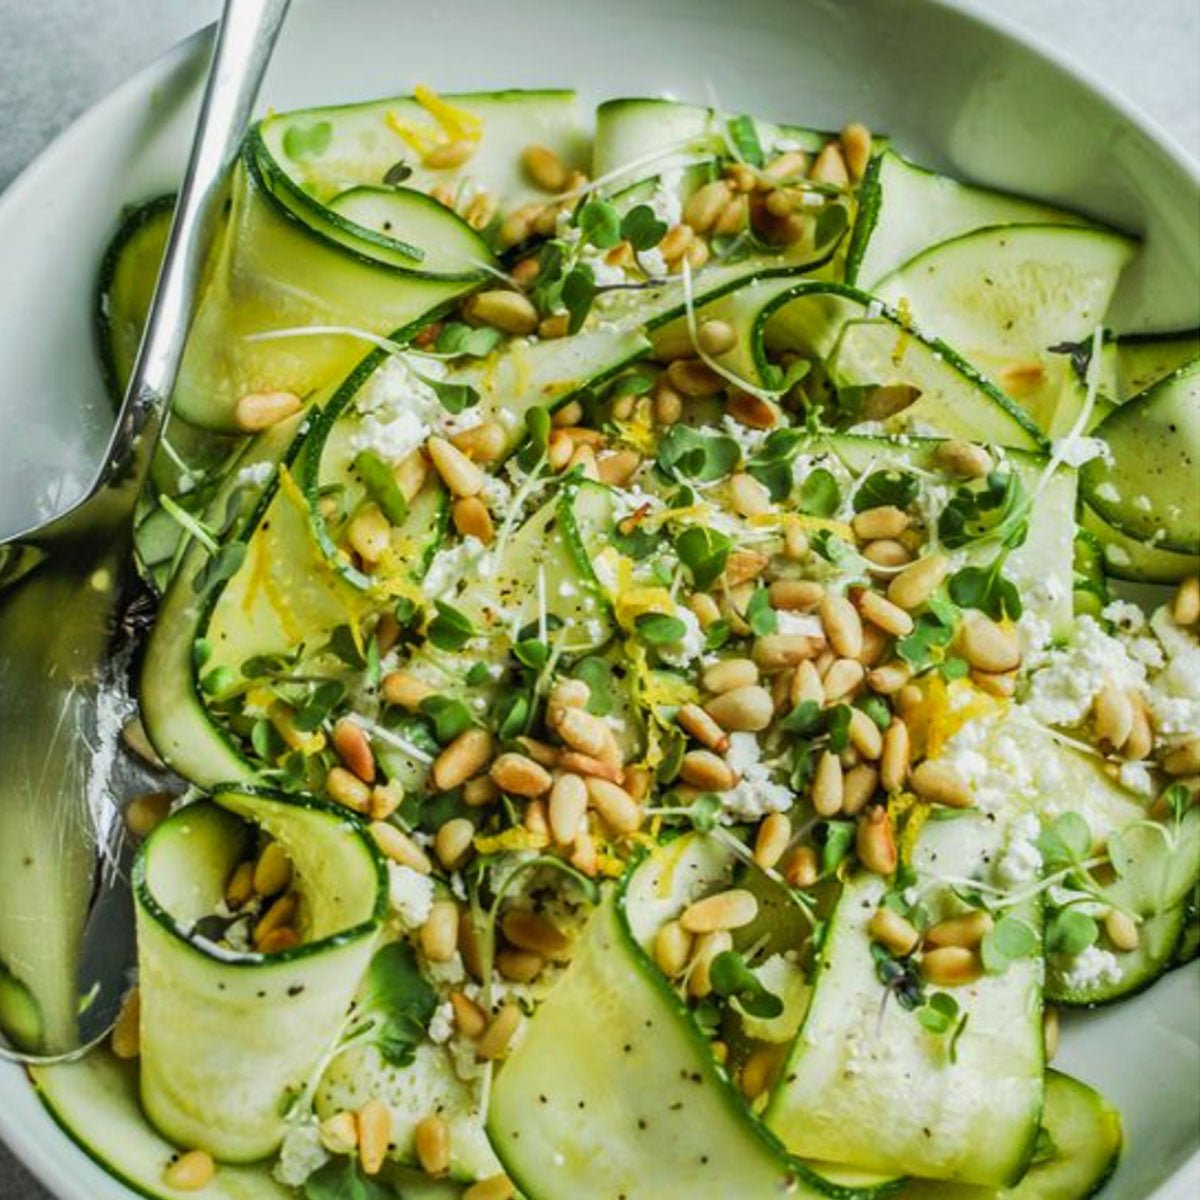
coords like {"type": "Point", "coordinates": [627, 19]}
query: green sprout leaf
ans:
{"type": "Point", "coordinates": [820, 494]}
{"type": "Point", "coordinates": [456, 339]}
{"type": "Point", "coordinates": [1070, 932]}
{"type": "Point", "coordinates": [599, 223]}
{"type": "Point", "coordinates": [1007, 941]}
{"type": "Point", "coordinates": [760, 616]}
{"type": "Point", "coordinates": [641, 228]}
{"type": "Point", "coordinates": [659, 629]}
{"type": "Point", "coordinates": [704, 552]}
{"type": "Point", "coordinates": [743, 133]}
{"type": "Point", "coordinates": [380, 481]}
{"type": "Point", "coordinates": [450, 629]}
{"type": "Point", "coordinates": [890, 487]}
{"type": "Point", "coordinates": [402, 1001]}
{"type": "Point", "coordinates": [732, 979]}
{"type": "Point", "coordinates": [686, 453]}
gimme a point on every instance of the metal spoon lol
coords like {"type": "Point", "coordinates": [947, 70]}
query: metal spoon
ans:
{"type": "Point", "coordinates": [66, 919]}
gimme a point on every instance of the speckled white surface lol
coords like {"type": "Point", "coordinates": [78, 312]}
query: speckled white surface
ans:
{"type": "Point", "coordinates": [59, 56]}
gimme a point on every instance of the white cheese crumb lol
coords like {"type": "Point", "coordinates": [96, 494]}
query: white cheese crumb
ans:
{"type": "Point", "coordinates": [805, 624]}
{"type": "Point", "coordinates": [1021, 860]}
{"type": "Point", "coordinates": [255, 475]}
{"type": "Point", "coordinates": [300, 1155]}
{"type": "Point", "coordinates": [756, 793]}
{"type": "Point", "coordinates": [441, 1024]}
{"type": "Point", "coordinates": [411, 895]}
{"type": "Point", "coordinates": [690, 646]}
{"type": "Point", "coordinates": [1090, 967]}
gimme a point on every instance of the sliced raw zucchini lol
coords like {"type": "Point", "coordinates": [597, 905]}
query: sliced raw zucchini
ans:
{"type": "Point", "coordinates": [227, 1037]}
{"type": "Point", "coordinates": [1082, 1147]}
{"type": "Point", "coordinates": [1090, 592]}
{"type": "Point", "coordinates": [1004, 295]}
{"type": "Point", "coordinates": [642, 1079]}
{"type": "Point", "coordinates": [1158, 863]}
{"type": "Point", "coordinates": [1148, 488]}
{"type": "Point", "coordinates": [1129, 558]}
{"type": "Point", "coordinates": [971, 1115]}
{"type": "Point", "coordinates": [1132, 362]}
{"type": "Point", "coordinates": [905, 208]}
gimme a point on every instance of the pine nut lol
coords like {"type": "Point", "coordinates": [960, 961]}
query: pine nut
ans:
{"type": "Point", "coordinates": [964, 459]}
{"type": "Point", "coordinates": [843, 676]}
{"type": "Point", "coordinates": [125, 1040]}
{"type": "Point", "coordinates": [668, 403]}
{"type": "Point", "coordinates": [939, 783]}
{"type": "Point", "coordinates": [755, 1075]}
{"type": "Point", "coordinates": [374, 1133]}
{"type": "Point", "coordinates": [470, 945]}
{"type": "Point", "coordinates": [886, 521]}
{"type": "Point", "coordinates": [778, 651]}
{"type": "Point", "coordinates": [795, 595]}
{"type": "Point", "coordinates": [801, 867]}
{"type": "Point", "coordinates": [842, 625]}
{"type": "Point", "coordinates": [742, 710]}
{"type": "Point", "coordinates": [830, 166]}
{"type": "Point", "coordinates": [751, 411]}
{"type": "Point", "coordinates": [908, 700]}
{"type": "Point", "coordinates": [858, 788]}
{"type": "Point", "coordinates": [585, 765]}
{"type": "Point", "coordinates": [405, 690]}
{"type": "Point", "coordinates": [987, 646]}
{"type": "Point", "coordinates": [484, 442]}
{"type": "Point", "coordinates": [1113, 716]}
{"type": "Point", "coordinates": [706, 771]}
{"type": "Point", "coordinates": [876, 643]}
{"type": "Point", "coordinates": [615, 805]}
{"type": "Point", "coordinates": [695, 379]}
{"type": "Point", "coordinates": [535, 819]}
{"type": "Point", "coordinates": [704, 608]}
{"type": "Point", "coordinates": [472, 519]}
{"type": "Point", "coordinates": [480, 211]}
{"type": "Point", "coordinates": [1019, 379]}
{"type": "Point", "coordinates": [890, 929]}
{"type": "Point", "coordinates": [705, 204]}
{"type": "Point", "coordinates": [339, 1133]}
{"type": "Point", "coordinates": [619, 467]}
{"type": "Point", "coordinates": [347, 789]}
{"type": "Point", "coordinates": [544, 168]}
{"type": "Point", "coordinates": [190, 1172]}
{"type": "Point", "coordinates": [465, 757]}
{"type": "Point", "coordinates": [915, 584]}
{"type": "Point", "coordinates": [771, 841]}
{"type": "Point", "coordinates": [889, 678]}
{"type": "Point", "coordinates": [875, 841]}
{"type": "Point", "coordinates": [707, 947]}
{"type": "Point", "coordinates": [240, 888]}
{"type": "Point", "coordinates": [468, 1016]}
{"type": "Point", "coordinates": [728, 674]}
{"type": "Point", "coordinates": [411, 473]}
{"type": "Point", "coordinates": [724, 910]}
{"type": "Point", "coordinates": [583, 732]}
{"type": "Point", "coordinates": [431, 1140]}
{"type": "Point", "coordinates": [827, 785]}
{"type": "Point", "coordinates": [568, 807]}
{"type": "Point", "coordinates": [966, 931]}
{"type": "Point", "coordinates": [696, 722]}
{"type": "Point", "coordinates": [672, 948]}
{"type": "Point", "coordinates": [458, 472]}
{"type": "Point", "coordinates": [400, 848]}
{"type": "Point", "coordinates": [795, 542]}
{"type": "Point", "coordinates": [273, 871]}
{"type": "Point", "coordinates": [453, 840]}
{"type": "Point", "coordinates": [519, 966]}
{"type": "Point", "coordinates": [385, 799]}
{"type": "Point", "coordinates": [865, 736]}
{"type": "Point", "coordinates": [883, 614]}
{"type": "Point", "coordinates": [1184, 760]}
{"type": "Point", "coordinates": [856, 148]}
{"type": "Point", "coordinates": [354, 749]}
{"type": "Point", "coordinates": [1141, 736]}
{"type": "Point", "coordinates": [494, 1187]}
{"type": "Point", "coordinates": [805, 684]}
{"type": "Point", "coordinates": [1185, 608]}
{"type": "Point", "coordinates": [1122, 930]}
{"type": "Point", "coordinates": [570, 693]}
{"type": "Point", "coordinates": [1050, 1031]}
{"type": "Point", "coordinates": [260, 410]}
{"type": "Point", "coordinates": [886, 553]}
{"type": "Point", "coordinates": [520, 776]}
{"type": "Point", "coordinates": [439, 933]}
{"type": "Point", "coordinates": [143, 814]}
{"type": "Point", "coordinates": [445, 158]}
{"type": "Point", "coordinates": [697, 254]}
{"type": "Point", "coordinates": [1000, 686]}
{"type": "Point", "coordinates": [499, 1034]}
{"type": "Point", "coordinates": [583, 855]}
{"type": "Point", "coordinates": [745, 565]}
{"type": "Point", "coordinates": [733, 218]}
{"type": "Point", "coordinates": [716, 337]}
{"type": "Point", "coordinates": [676, 242]}
{"type": "Point", "coordinates": [528, 930]}
{"type": "Point", "coordinates": [370, 534]}
{"type": "Point", "coordinates": [276, 941]}
{"type": "Point", "coordinates": [950, 966]}
{"type": "Point", "coordinates": [748, 497]}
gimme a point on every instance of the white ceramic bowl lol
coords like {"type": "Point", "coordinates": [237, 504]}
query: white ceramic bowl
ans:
{"type": "Point", "coordinates": [954, 90]}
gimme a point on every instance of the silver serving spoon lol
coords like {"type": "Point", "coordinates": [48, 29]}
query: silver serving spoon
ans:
{"type": "Point", "coordinates": [66, 919]}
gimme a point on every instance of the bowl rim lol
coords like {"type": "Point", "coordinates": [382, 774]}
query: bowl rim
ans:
{"type": "Point", "coordinates": [43, 1158]}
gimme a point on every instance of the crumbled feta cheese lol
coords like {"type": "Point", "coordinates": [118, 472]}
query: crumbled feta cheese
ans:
{"type": "Point", "coordinates": [255, 475]}
{"type": "Point", "coordinates": [1075, 451]}
{"type": "Point", "coordinates": [1021, 860]}
{"type": "Point", "coordinates": [690, 646]}
{"type": "Point", "coordinates": [1127, 617]}
{"type": "Point", "coordinates": [1090, 967]}
{"type": "Point", "coordinates": [665, 201]}
{"type": "Point", "coordinates": [750, 440]}
{"type": "Point", "coordinates": [497, 493]}
{"type": "Point", "coordinates": [805, 624]}
{"type": "Point", "coordinates": [1033, 632]}
{"type": "Point", "coordinates": [755, 793]}
{"type": "Point", "coordinates": [441, 1024]}
{"type": "Point", "coordinates": [454, 564]}
{"type": "Point", "coordinates": [1174, 692]}
{"type": "Point", "coordinates": [411, 895]}
{"type": "Point", "coordinates": [300, 1155]}
{"type": "Point", "coordinates": [392, 438]}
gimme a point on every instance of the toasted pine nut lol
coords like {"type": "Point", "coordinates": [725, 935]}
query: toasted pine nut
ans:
{"type": "Point", "coordinates": [370, 534]}
{"type": "Point", "coordinates": [964, 459]}
{"type": "Point", "coordinates": [724, 910]}
{"type": "Point", "coordinates": [908, 699]}
{"type": "Point", "coordinates": [240, 888]}
{"type": "Point", "coordinates": [801, 868]}
{"type": "Point", "coordinates": [728, 674]}
{"type": "Point", "coordinates": [843, 676]}
{"type": "Point", "coordinates": [707, 947]}
{"type": "Point", "coordinates": [1113, 715]}
{"type": "Point", "coordinates": [988, 646]}
{"type": "Point", "coordinates": [583, 732]}
{"type": "Point", "coordinates": [472, 519]}
{"type": "Point", "coordinates": [705, 608]}
{"type": "Point", "coordinates": [745, 565]}
{"type": "Point", "coordinates": [144, 813]}
{"type": "Point", "coordinates": [676, 242]}
{"type": "Point", "coordinates": [445, 158]}
{"type": "Point", "coordinates": [795, 543]}
{"type": "Point", "coordinates": [400, 848]}
{"type": "Point", "coordinates": [755, 1075]}
{"type": "Point", "coordinates": [889, 678]}
{"type": "Point", "coordinates": [707, 771]}
{"type": "Point", "coordinates": [528, 930]}
{"type": "Point", "coordinates": [886, 552]}
{"type": "Point", "coordinates": [125, 1039]}
{"type": "Point", "coordinates": [1184, 760]}
{"type": "Point", "coordinates": [748, 496]}
{"type": "Point", "coordinates": [875, 841]}
{"type": "Point", "coordinates": [519, 966]}
{"type": "Point", "coordinates": [484, 442]}
{"type": "Point", "coordinates": [692, 378]}
{"type": "Point", "coordinates": [915, 584]}
{"type": "Point", "coordinates": [499, 1034]}
{"type": "Point", "coordinates": [468, 1016]}
{"type": "Point", "coordinates": [858, 788]}
{"type": "Point", "coordinates": [544, 168]}
{"type": "Point", "coordinates": [458, 472]}
{"type": "Point", "coordinates": [431, 1140]}
{"type": "Point", "coordinates": [890, 929]}
{"type": "Point", "coordinates": [260, 410]}
{"type": "Point", "coordinates": [385, 799]}
{"type": "Point", "coordinates": [743, 709]}
{"type": "Point", "coordinates": [190, 1172]}
{"type": "Point", "coordinates": [583, 855]}
{"type": "Point", "coordinates": [772, 840]}
{"type": "Point", "coordinates": [614, 804]}
{"type": "Point", "coordinates": [568, 806]}
{"type": "Point", "coordinates": [480, 210]}
{"type": "Point", "coordinates": [705, 204]}
{"type": "Point", "coordinates": [1141, 737]}
{"type": "Point", "coordinates": [886, 521]}
{"type": "Point", "coordinates": [281, 913]}
{"type": "Point", "coordinates": [354, 749]}
{"type": "Point", "coordinates": [470, 945]}
{"type": "Point", "coordinates": [520, 776]}
{"type": "Point", "coordinates": [339, 1133]}
{"type": "Point", "coordinates": [439, 933]}
{"type": "Point", "coordinates": [856, 148]}
{"type": "Point", "coordinates": [494, 1187]}
{"type": "Point", "coordinates": [668, 403]}
{"type": "Point", "coordinates": [805, 684]}
{"type": "Point", "coordinates": [883, 614]}
{"type": "Point", "coordinates": [464, 758]}
{"type": "Point", "coordinates": [273, 871]}
{"type": "Point", "coordinates": [842, 625]}
{"type": "Point", "coordinates": [865, 736]}
{"type": "Point", "coordinates": [751, 411]}
{"type": "Point", "coordinates": [716, 337]}
{"type": "Point", "coordinates": [346, 788]}
{"type": "Point", "coordinates": [1122, 930]}
{"type": "Point", "coordinates": [1050, 1032]}
{"type": "Point", "coordinates": [830, 166]}
{"type": "Point", "coordinates": [950, 966]}
{"type": "Point", "coordinates": [696, 722]}
{"type": "Point", "coordinates": [940, 783]}
{"type": "Point", "coordinates": [672, 948]}
{"type": "Point", "coordinates": [510, 312]}
{"type": "Point", "coordinates": [405, 690]}
{"type": "Point", "coordinates": [795, 595]}
{"type": "Point", "coordinates": [777, 651]}
{"type": "Point", "coordinates": [1001, 686]}
{"type": "Point", "coordinates": [618, 468]}
{"type": "Point", "coordinates": [734, 217]}
{"type": "Point", "coordinates": [966, 931]}
{"type": "Point", "coordinates": [535, 819]}
{"type": "Point", "coordinates": [1185, 608]}
{"type": "Point", "coordinates": [827, 785]}
{"type": "Point", "coordinates": [374, 1133]}
{"type": "Point", "coordinates": [453, 840]}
